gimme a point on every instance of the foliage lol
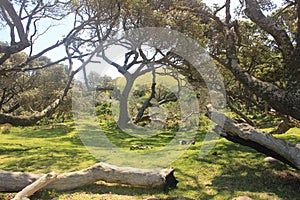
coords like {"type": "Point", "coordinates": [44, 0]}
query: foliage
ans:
{"type": "Point", "coordinates": [103, 109]}
{"type": "Point", "coordinates": [24, 93]}
{"type": "Point", "coordinates": [161, 106]}
{"type": "Point", "coordinates": [258, 53]}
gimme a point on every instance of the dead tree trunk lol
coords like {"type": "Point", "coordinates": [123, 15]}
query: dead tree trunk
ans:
{"type": "Point", "coordinates": [150, 178]}
{"type": "Point", "coordinates": [35, 186]}
{"type": "Point", "coordinates": [247, 135]}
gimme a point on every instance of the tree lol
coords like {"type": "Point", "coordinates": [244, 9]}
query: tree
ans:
{"type": "Point", "coordinates": [282, 42]}
{"type": "Point", "coordinates": [22, 18]}
{"type": "Point", "coordinates": [284, 99]}
{"type": "Point", "coordinates": [93, 22]}
{"type": "Point", "coordinates": [234, 44]}
{"type": "Point", "coordinates": [260, 56]}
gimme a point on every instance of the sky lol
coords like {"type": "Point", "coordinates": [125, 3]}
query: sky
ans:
{"type": "Point", "coordinates": [54, 34]}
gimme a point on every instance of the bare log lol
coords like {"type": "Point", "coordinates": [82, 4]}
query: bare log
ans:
{"type": "Point", "coordinates": [35, 186]}
{"type": "Point", "coordinates": [149, 178]}
{"type": "Point", "coordinates": [247, 135]}
{"type": "Point", "coordinates": [16, 181]}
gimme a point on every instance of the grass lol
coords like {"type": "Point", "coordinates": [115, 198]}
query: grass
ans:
{"type": "Point", "coordinates": [42, 149]}
{"type": "Point", "coordinates": [229, 170]}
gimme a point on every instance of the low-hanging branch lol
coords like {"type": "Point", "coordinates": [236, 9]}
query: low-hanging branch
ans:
{"type": "Point", "coordinates": [250, 136]}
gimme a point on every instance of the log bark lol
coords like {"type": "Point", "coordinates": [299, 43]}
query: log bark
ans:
{"type": "Point", "coordinates": [247, 135]}
{"type": "Point", "coordinates": [149, 178]}
{"type": "Point", "coordinates": [35, 186]}
{"type": "Point", "coordinates": [16, 181]}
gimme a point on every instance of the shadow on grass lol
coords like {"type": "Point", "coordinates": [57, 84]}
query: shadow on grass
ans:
{"type": "Point", "coordinates": [46, 159]}
{"type": "Point", "coordinates": [46, 131]}
{"type": "Point", "coordinates": [190, 184]}
{"type": "Point", "coordinates": [93, 136]}
{"type": "Point", "coordinates": [227, 170]}
{"type": "Point", "coordinates": [243, 171]}
{"type": "Point", "coordinates": [100, 188]}
{"type": "Point", "coordinates": [123, 139]}
{"type": "Point", "coordinates": [43, 149]}
{"type": "Point", "coordinates": [241, 177]}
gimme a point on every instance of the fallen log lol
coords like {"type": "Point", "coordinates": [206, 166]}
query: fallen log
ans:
{"type": "Point", "coordinates": [16, 181]}
{"type": "Point", "coordinates": [247, 135]}
{"type": "Point", "coordinates": [149, 178]}
{"type": "Point", "coordinates": [35, 186]}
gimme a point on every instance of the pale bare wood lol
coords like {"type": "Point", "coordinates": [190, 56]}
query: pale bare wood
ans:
{"type": "Point", "coordinates": [247, 135]}
{"type": "Point", "coordinates": [35, 186]}
{"type": "Point", "coordinates": [136, 177]}
{"type": "Point", "coordinates": [151, 178]}
{"type": "Point", "coordinates": [16, 181]}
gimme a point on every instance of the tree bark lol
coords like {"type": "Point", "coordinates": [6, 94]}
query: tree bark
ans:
{"type": "Point", "coordinates": [124, 119]}
{"type": "Point", "coordinates": [146, 103]}
{"type": "Point", "coordinates": [247, 135]}
{"type": "Point", "coordinates": [286, 101]}
{"type": "Point", "coordinates": [254, 12]}
{"type": "Point", "coordinates": [149, 178]}
{"type": "Point", "coordinates": [35, 186]}
{"type": "Point", "coordinates": [16, 181]}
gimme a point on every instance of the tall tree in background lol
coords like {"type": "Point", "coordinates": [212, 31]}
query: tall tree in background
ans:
{"type": "Point", "coordinates": [252, 56]}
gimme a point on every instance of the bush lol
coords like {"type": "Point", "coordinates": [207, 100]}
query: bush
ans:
{"type": "Point", "coordinates": [103, 109]}
{"type": "Point", "coordinates": [5, 128]}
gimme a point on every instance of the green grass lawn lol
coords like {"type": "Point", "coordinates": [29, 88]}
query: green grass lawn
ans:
{"type": "Point", "coordinates": [229, 170]}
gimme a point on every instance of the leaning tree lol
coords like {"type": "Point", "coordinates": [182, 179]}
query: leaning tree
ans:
{"type": "Point", "coordinates": [260, 54]}
{"type": "Point", "coordinates": [272, 46]}
{"type": "Point", "coordinates": [92, 22]}
{"type": "Point", "coordinates": [283, 30]}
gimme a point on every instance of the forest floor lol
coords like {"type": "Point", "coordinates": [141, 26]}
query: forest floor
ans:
{"type": "Point", "coordinates": [229, 170]}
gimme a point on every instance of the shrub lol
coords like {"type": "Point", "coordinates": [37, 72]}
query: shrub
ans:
{"type": "Point", "coordinates": [5, 128]}
{"type": "Point", "coordinates": [103, 109]}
